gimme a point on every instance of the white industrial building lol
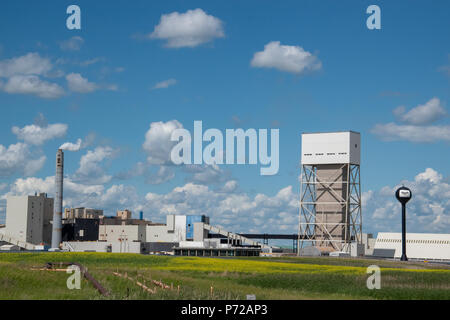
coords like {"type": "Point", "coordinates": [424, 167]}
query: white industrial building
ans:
{"type": "Point", "coordinates": [75, 213]}
{"type": "Point", "coordinates": [330, 191]}
{"type": "Point", "coordinates": [28, 219]}
{"type": "Point", "coordinates": [421, 246]}
{"type": "Point", "coordinates": [117, 233]}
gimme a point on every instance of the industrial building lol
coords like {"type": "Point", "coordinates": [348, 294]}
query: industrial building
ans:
{"type": "Point", "coordinates": [80, 229]}
{"type": "Point", "coordinates": [85, 213]}
{"type": "Point", "coordinates": [180, 235]}
{"type": "Point", "coordinates": [330, 196]}
{"type": "Point", "coordinates": [28, 218]}
{"type": "Point", "coordinates": [421, 246]}
{"type": "Point", "coordinates": [29, 226]}
{"type": "Point", "coordinates": [330, 219]}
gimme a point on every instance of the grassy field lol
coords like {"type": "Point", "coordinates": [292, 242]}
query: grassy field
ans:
{"type": "Point", "coordinates": [220, 278]}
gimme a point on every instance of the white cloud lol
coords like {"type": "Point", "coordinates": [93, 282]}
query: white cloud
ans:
{"type": "Point", "coordinates": [72, 44]}
{"type": "Point", "coordinates": [90, 171]}
{"type": "Point", "coordinates": [163, 174]}
{"type": "Point", "coordinates": [37, 135]}
{"type": "Point", "coordinates": [205, 174]}
{"type": "Point", "coordinates": [29, 64]}
{"type": "Point", "coordinates": [69, 146]}
{"type": "Point", "coordinates": [80, 195]}
{"type": "Point", "coordinates": [230, 186]}
{"type": "Point", "coordinates": [392, 132]}
{"type": "Point", "coordinates": [427, 211]}
{"type": "Point", "coordinates": [111, 87]}
{"type": "Point", "coordinates": [165, 84]}
{"type": "Point", "coordinates": [188, 29]}
{"type": "Point", "coordinates": [17, 158]}
{"type": "Point", "coordinates": [417, 126]}
{"type": "Point", "coordinates": [157, 142]}
{"type": "Point", "coordinates": [32, 166]}
{"type": "Point", "coordinates": [23, 76]}
{"type": "Point", "coordinates": [422, 114]}
{"type": "Point", "coordinates": [79, 84]}
{"type": "Point", "coordinates": [445, 68]}
{"type": "Point", "coordinates": [31, 84]}
{"type": "Point", "coordinates": [237, 212]}
{"type": "Point", "coordinates": [286, 58]}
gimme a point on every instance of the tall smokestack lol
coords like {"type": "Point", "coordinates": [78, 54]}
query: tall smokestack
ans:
{"type": "Point", "coordinates": [57, 213]}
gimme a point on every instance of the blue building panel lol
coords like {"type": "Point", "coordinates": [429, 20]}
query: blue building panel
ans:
{"type": "Point", "coordinates": [190, 220]}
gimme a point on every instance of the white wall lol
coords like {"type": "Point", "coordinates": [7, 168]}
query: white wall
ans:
{"type": "Point", "coordinates": [28, 218]}
{"type": "Point", "coordinates": [180, 228]}
{"type": "Point", "coordinates": [124, 233]}
{"type": "Point", "coordinates": [99, 246]}
{"type": "Point", "coordinates": [16, 217]}
{"type": "Point", "coordinates": [160, 234]}
{"type": "Point", "coordinates": [418, 245]}
{"type": "Point", "coordinates": [331, 148]}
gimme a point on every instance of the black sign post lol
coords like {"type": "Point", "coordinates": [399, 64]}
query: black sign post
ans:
{"type": "Point", "coordinates": [403, 195]}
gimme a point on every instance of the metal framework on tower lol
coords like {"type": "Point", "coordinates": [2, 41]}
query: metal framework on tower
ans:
{"type": "Point", "coordinates": [330, 207]}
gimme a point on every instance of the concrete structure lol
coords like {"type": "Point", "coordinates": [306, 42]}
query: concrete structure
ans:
{"type": "Point", "coordinates": [177, 228]}
{"type": "Point", "coordinates": [80, 229]}
{"type": "Point", "coordinates": [57, 214]}
{"type": "Point", "coordinates": [369, 243]}
{"type": "Point", "coordinates": [180, 231]}
{"type": "Point", "coordinates": [82, 213]}
{"type": "Point", "coordinates": [104, 246]}
{"type": "Point", "coordinates": [330, 196]}
{"type": "Point", "coordinates": [124, 214]}
{"type": "Point", "coordinates": [118, 221]}
{"type": "Point", "coordinates": [9, 247]}
{"type": "Point", "coordinates": [119, 233]}
{"type": "Point", "coordinates": [422, 246]}
{"type": "Point", "coordinates": [190, 221]}
{"type": "Point", "coordinates": [28, 218]}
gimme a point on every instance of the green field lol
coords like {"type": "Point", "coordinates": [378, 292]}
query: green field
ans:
{"type": "Point", "coordinates": [220, 278]}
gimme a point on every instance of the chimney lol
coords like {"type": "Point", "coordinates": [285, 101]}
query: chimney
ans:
{"type": "Point", "coordinates": [57, 213]}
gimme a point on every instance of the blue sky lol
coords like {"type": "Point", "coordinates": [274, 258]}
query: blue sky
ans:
{"type": "Point", "coordinates": [364, 77]}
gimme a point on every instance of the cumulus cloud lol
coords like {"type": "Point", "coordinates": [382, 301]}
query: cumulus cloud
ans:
{"type": "Point", "coordinates": [37, 135]}
{"type": "Point", "coordinates": [165, 84]}
{"type": "Point", "coordinates": [79, 84]}
{"type": "Point", "coordinates": [24, 76]}
{"type": "Point", "coordinates": [31, 84]}
{"type": "Point", "coordinates": [111, 199]}
{"type": "Point", "coordinates": [286, 58]}
{"type": "Point", "coordinates": [157, 142]}
{"type": "Point", "coordinates": [395, 132]}
{"type": "Point", "coordinates": [90, 170]}
{"type": "Point", "coordinates": [17, 158]}
{"type": "Point", "coordinates": [163, 174]}
{"type": "Point", "coordinates": [29, 64]}
{"type": "Point", "coordinates": [206, 174]}
{"type": "Point", "coordinates": [422, 114]}
{"type": "Point", "coordinates": [72, 44]}
{"type": "Point", "coordinates": [189, 29]}
{"type": "Point", "coordinates": [230, 186]}
{"type": "Point", "coordinates": [428, 210]}
{"type": "Point", "coordinates": [238, 212]}
{"type": "Point", "coordinates": [416, 124]}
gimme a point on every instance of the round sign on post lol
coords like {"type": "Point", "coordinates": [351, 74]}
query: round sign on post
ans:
{"type": "Point", "coordinates": [403, 195]}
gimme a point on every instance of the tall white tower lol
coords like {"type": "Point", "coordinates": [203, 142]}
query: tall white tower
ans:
{"type": "Point", "coordinates": [57, 214]}
{"type": "Point", "coordinates": [330, 191]}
